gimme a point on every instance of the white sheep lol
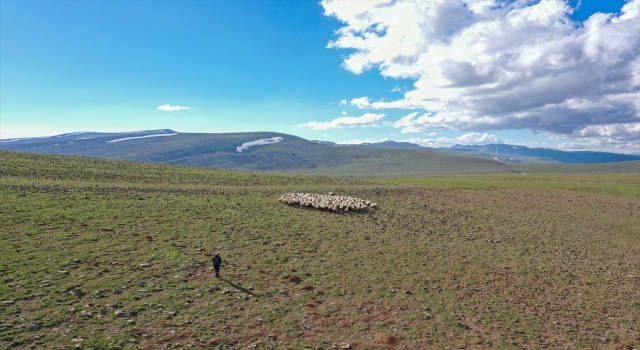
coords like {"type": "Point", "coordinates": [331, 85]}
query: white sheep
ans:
{"type": "Point", "coordinates": [330, 201]}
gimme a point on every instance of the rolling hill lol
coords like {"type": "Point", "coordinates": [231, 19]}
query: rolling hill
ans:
{"type": "Point", "coordinates": [277, 152]}
{"type": "Point", "coordinates": [511, 154]}
{"type": "Point", "coordinates": [288, 154]}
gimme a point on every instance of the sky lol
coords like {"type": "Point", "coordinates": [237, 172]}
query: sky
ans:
{"type": "Point", "coordinates": [540, 73]}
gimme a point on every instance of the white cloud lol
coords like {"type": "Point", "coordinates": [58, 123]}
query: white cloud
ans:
{"type": "Point", "coordinates": [367, 119]}
{"type": "Point", "coordinates": [622, 132]}
{"type": "Point", "coordinates": [483, 65]}
{"type": "Point", "coordinates": [475, 138]}
{"type": "Point", "coordinates": [344, 112]}
{"type": "Point", "coordinates": [170, 108]}
{"type": "Point", "coordinates": [343, 102]}
{"type": "Point", "coordinates": [466, 139]}
{"type": "Point", "coordinates": [362, 102]}
{"type": "Point", "coordinates": [245, 146]}
{"type": "Point", "coordinates": [603, 145]}
{"type": "Point", "coordinates": [425, 123]}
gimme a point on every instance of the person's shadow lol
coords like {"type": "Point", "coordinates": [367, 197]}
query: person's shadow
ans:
{"type": "Point", "coordinates": [240, 288]}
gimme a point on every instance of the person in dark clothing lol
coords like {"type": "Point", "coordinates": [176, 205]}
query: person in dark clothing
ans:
{"type": "Point", "coordinates": [217, 261]}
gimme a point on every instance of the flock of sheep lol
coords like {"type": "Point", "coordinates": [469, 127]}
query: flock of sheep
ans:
{"type": "Point", "coordinates": [329, 201]}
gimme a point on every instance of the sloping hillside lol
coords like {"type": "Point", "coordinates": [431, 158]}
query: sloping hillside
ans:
{"type": "Point", "coordinates": [276, 152]}
{"type": "Point", "coordinates": [290, 154]}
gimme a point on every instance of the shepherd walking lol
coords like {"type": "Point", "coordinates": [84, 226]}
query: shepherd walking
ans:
{"type": "Point", "coordinates": [217, 261]}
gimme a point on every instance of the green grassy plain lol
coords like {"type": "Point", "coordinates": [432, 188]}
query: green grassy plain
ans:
{"type": "Point", "coordinates": [618, 183]}
{"type": "Point", "coordinates": [484, 261]}
{"type": "Point", "coordinates": [632, 167]}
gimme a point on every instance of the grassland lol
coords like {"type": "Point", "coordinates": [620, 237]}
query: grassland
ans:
{"type": "Point", "coordinates": [407, 163]}
{"type": "Point", "coordinates": [632, 167]}
{"type": "Point", "coordinates": [496, 262]}
{"type": "Point", "coordinates": [625, 184]}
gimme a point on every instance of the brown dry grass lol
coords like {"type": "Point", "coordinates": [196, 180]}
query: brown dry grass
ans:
{"type": "Point", "coordinates": [386, 339]}
{"type": "Point", "coordinates": [292, 279]}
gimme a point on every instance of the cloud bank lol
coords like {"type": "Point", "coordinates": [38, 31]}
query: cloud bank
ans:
{"type": "Point", "coordinates": [169, 108]}
{"type": "Point", "coordinates": [367, 119]}
{"type": "Point", "coordinates": [483, 65]}
{"type": "Point", "coordinates": [473, 138]}
{"type": "Point", "coordinates": [466, 139]}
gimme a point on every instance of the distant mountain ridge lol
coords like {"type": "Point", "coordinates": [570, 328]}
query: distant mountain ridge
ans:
{"type": "Point", "coordinates": [569, 157]}
{"type": "Point", "coordinates": [255, 151]}
{"type": "Point", "coordinates": [390, 144]}
{"type": "Point", "coordinates": [325, 142]}
{"type": "Point", "coordinates": [499, 151]}
{"type": "Point", "coordinates": [270, 151]}
{"type": "Point", "coordinates": [81, 135]}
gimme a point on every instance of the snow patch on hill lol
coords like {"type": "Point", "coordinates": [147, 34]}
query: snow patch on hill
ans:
{"type": "Point", "coordinates": [245, 146]}
{"type": "Point", "coordinates": [142, 137]}
{"type": "Point", "coordinates": [20, 139]}
{"type": "Point", "coordinates": [72, 134]}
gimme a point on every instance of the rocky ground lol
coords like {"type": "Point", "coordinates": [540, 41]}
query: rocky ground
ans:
{"type": "Point", "coordinates": [124, 263]}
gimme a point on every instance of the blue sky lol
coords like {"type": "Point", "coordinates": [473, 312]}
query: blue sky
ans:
{"type": "Point", "coordinates": [269, 66]}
